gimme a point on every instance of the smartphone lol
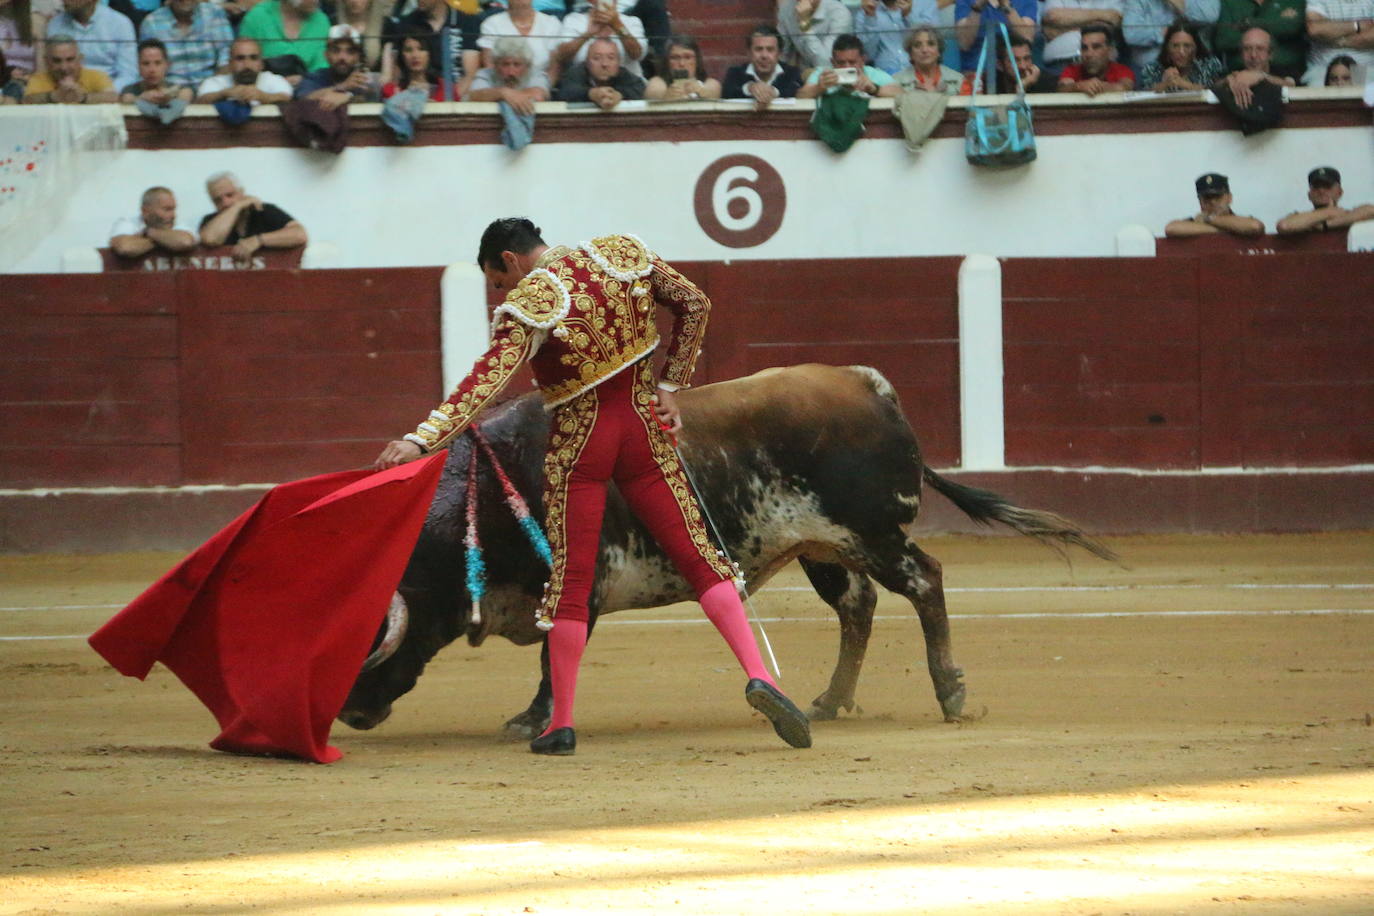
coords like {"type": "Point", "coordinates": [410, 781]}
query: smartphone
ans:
{"type": "Point", "coordinates": [680, 75]}
{"type": "Point", "coordinates": [848, 76]}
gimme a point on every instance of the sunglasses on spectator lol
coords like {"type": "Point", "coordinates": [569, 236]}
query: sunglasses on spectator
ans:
{"type": "Point", "coordinates": [247, 57]}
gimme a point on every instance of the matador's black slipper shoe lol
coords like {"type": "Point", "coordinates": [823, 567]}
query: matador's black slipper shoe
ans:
{"type": "Point", "coordinates": [561, 742]}
{"type": "Point", "coordinates": [788, 721]}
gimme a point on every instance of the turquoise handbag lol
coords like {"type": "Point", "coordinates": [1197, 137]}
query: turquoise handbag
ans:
{"type": "Point", "coordinates": [998, 135]}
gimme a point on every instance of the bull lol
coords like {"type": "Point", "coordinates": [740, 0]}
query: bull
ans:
{"type": "Point", "coordinates": [809, 463]}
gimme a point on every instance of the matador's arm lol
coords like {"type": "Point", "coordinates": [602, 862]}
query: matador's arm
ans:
{"type": "Point", "coordinates": [510, 346]}
{"type": "Point", "coordinates": [690, 308]}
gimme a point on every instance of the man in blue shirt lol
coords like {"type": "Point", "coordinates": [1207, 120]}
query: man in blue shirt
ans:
{"type": "Point", "coordinates": [974, 20]}
{"type": "Point", "coordinates": [882, 25]}
{"type": "Point", "coordinates": [197, 35]}
{"type": "Point", "coordinates": [106, 38]}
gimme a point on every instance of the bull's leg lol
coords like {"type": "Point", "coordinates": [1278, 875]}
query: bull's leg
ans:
{"type": "Point", "coordinates": [853, 597]}
{"type": "Point", "coordinates": [532, 722]}
{"type": "Point", "coordinates": [910, 572]}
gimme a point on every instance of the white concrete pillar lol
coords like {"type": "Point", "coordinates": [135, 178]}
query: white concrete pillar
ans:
{"type": "Point", "coordinates": [1361, 235]}
{"type": "Point", "coordinates": [80, 261]}
{"type": "Point", "coordinates": [981, 409]}
{"type": "Point", "coordinates": [463, 329]}
{"type": "Point", "coordinates": [1135, 241]}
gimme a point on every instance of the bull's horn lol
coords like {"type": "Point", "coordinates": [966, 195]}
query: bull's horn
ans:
{"type": "Point", "coordinates": [397, 619]}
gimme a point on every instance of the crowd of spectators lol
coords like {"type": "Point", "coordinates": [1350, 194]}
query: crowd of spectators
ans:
{"type": "Point", "coordinates": [163, 54]}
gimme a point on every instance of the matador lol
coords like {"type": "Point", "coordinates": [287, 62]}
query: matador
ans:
{"type": "Point", "coordinates": [583, 316]}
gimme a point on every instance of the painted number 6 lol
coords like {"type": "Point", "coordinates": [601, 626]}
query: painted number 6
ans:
{"type": "Point", "coordinates": [740, 201]}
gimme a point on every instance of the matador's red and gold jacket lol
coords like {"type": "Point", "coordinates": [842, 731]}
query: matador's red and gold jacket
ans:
{"type": "Point", "coordinates": [580, 316]}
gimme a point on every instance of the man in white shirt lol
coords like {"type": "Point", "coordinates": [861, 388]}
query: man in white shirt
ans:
{"type": "Point", "coordinates": [155, 227]}
{"type": "Point", "coordinates": [602, 21]}
{"type": "Point", "coordinates": [246, 82]}
{"type": "Point", "coordinates": [1336, 27]}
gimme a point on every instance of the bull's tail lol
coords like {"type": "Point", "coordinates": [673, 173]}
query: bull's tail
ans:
{"type": "Point", "coordinates": [986, 507]}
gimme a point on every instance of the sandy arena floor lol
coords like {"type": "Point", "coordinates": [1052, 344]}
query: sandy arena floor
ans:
{"type": "Point", "coordinates": [1189, 735]}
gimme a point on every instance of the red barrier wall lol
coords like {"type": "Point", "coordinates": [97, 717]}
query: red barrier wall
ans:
{"type": "Point", "coordinates": [188, 377]}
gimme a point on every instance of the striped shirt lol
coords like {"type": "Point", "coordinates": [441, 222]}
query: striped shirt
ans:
{"type": "Point", "coordinates": [195, 52]}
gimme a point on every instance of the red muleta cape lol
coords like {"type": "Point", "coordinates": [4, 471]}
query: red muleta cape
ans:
{"type": "Point", "coordinates": [269, 621]}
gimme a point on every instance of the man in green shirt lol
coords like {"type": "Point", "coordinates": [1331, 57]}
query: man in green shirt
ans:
{"type": "Point", "coordinates": [1284, 20]}
{"type": "Point", "coordinates": [289, 27]}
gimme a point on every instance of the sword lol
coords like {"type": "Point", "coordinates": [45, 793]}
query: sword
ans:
{"type": "Point", "coordinates": [715, 532]}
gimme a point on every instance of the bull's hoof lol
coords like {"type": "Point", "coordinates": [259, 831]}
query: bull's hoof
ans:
{"type": "Point", "coordinates": [787, 719]}
{"type": "Point", "coordinates": [561, 742]}
{"type": "Point", "coordinates": [824, 709]}
{"type": "Point", "coordinates": [527, 725]}
{"type": "Point", "coordinates": [953, 704]}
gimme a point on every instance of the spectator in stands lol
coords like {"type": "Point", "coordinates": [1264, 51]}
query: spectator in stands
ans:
{"type": "Point", "coordinates": [1255, 57]}
{"type": "Point", "coordinates": [846, 61]}
{"type": "Point", "coordinates": [418, 82]}
{"type": "Point", "coordinates": [925, 48]}
{"type": "Point", "coordinates": [882, 25]}
{"type": "Point", "coordinates": [19, 28]}
{"type": "Point", "coordinates": [1145, 24]}
{"type": "Point", "coordinates": [415, 69]}
{"type": "Point", "coordinates": [1183, 64]}
{"type": "Point", "coordinates": [432, 16]}
{"type": "Point", "coordinates": [369, 18]}
{"type": "Point", "coordinates": [106, 38]}
{"type": "Point", "coordinates": [974, 20]}
{"type": "Point", "coordinates": [197, 36]}
{"type": "Point", "coordinates": [652, 14]}
{"type": "Point", "coordinates": [11, 90]}
{"type": "Point", "coordinates": [1283, 20]}
{"type": "Point", "coordinates": [1096, 72]}
{"type": "Point", "coordinates": [601, 80]}
{"type": "Point", "coordinates": [763, 77]}
{"type": "Point", "coordinates": [626, 32]}
{"type": "Point", "coordinates": [541, 32]}
{"type": "Point", "coordinates": [1338, 28]}
{"type": "Point", "coordinates": [345, 79]}
{"type": "Point", "coordinates": [683, 72]}
{"type": "Point", "coordinates": [809, 29]}
{"type": "Point", "coordinates": [1062, 22]}
{"type": "Point", "coordinates": [288, 28]}
{"type": "Point", "coordinates": [247, 84]}
{"type": "Point", "coordinates": [154, 94]}
{"type": "Point", "coordinates": [1214, 212]}
{"type": "Point", "coordinates": [512, 78]}
{"type": "Point", "coordinates": [1033, 79]}
{"type": "Point", "coordinates": [66, 81]}
{"type": "Point", "coordinates": [246, 222]}
{"type": "Point", "coordinates": [1340, 72]}
{"type": "Point", "coordinates": [155, 227]}
{"type": "Point", "coordinates": [1325, 192]}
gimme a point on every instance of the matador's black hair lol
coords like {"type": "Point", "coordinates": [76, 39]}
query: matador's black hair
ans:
{"type": "Point", "coordinates": [514, 233]}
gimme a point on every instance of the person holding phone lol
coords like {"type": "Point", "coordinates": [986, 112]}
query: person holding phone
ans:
{"type": "Point", "coordinates": [686, 74]}
{"type": "Point", "coordinates": [848, 72]}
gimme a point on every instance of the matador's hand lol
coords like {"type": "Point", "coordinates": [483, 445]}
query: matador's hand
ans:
{"type": "Point", "coordinates": [667, 412]}
{"type": "Point", "coordinates": [396, 453]}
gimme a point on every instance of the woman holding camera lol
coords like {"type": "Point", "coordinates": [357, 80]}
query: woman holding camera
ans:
{"type": "Point", "coordinates": [686, 74]}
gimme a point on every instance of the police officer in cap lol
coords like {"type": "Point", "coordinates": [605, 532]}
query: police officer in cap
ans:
{"type": "Point", "coordinates": [1324, 191]}
{"type": "Point", "coordinates": [1214, 213]}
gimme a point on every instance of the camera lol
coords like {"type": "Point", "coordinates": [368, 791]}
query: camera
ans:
{"type": "Point", "coordinates": [847, 76]}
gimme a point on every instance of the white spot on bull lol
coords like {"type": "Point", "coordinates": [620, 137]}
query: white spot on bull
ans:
{"type": "Point", "coordinates": [881, 386]}
{"type": "Point", "coordinates": [634, 579]}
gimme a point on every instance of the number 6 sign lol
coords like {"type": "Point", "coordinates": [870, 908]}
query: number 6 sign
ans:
{"type": "Point", "coordinates": [740, 201]}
